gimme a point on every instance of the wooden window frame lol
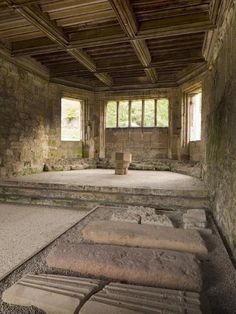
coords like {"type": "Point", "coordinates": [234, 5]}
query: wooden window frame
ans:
{"type": "Point", "coordinates": [143, 113]}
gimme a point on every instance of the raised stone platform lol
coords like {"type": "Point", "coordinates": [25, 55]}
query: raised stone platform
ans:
{"type": "Point", "coordinates": [136, 235]}
{"type": "Point", "coordinates": [87, 188]}
{"type": "Point", "coordinates": [159, 268]}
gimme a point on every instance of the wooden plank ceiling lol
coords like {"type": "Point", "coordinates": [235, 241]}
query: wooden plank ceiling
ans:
{"type": "Point", "coordinates": [109, 43]}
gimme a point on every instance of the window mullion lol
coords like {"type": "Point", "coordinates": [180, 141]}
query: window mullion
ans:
{"type": "Point", "coordinates": [155, 113]}
{"type": "Point", "coordinates": [143, 109]}
{"type": "Point", "coordinates": [129, 124]}
{"type": "Point", "coordinates": [117, 114]}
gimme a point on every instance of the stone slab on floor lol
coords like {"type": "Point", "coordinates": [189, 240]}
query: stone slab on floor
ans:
{"type": "Point", "coordinates": [25, 230]}
{"type": "Point", "coordinates": [147, 236]}
{"type": "Point", "coordinates": [53, 294]}
{"type": "Point", "coordinates": [162, 268]}
{"type": "Point", "coordinates": [195, 218]}
{"type": "Point", "coordinates": [118, 298]}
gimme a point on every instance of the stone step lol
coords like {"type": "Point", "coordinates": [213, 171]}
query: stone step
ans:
{"type": "Point", "coordinates": [118, 298]}
{"type": "Point", "coordinates": [147, 236]}
{"type": "Point", "coordinates": [162, 268]}
{"type": "Point", "coordinates": [53, 294]}
{"type": "Point", "coordinates": [88, 196]}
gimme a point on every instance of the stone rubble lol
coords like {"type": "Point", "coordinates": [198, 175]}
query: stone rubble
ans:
{"type": "Point", "coordinates": [143, 215]}
{"type": "Point", "coordinates": [125, 217]}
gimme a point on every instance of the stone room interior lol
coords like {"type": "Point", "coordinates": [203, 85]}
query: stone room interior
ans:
{"type": "Point", "coordinates": [117, 156]}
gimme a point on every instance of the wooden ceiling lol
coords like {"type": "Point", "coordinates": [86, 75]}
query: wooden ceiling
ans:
{"type": "Point", "coordinates": [109, 43]}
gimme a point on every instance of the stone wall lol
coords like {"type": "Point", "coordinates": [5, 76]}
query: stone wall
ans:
{"type": "Point", "coordinates": [146, 143]}
{"type": "Point", "coordinates": [30, 121]}
{"type": "Point", "coordinates": [195, 150]}
{"type": "Point", "coordinates": [24, 129]}
{"type": "Point", "coordinates": [219, 131]}
{"type": "Point", "coordinates": [62, 151]}
{"type": "Point", "coordinates": [142, 143]}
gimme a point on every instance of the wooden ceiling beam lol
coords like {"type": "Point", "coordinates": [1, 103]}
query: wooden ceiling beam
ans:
{"type": "Point", "coordinates": [125, 16]}
{"type": "Point", "coordinates": [128, 22]}
{"type": "Point", "coordinates": [83, 58]}
{"type": "Point", "coordinates": [109, 36]}
{"type": "Point", "coordinates": [41, 21]}
{"type": "Point", "coordinates": [142, 52]}
{"type": "Point", "coordinates": [151, 74]}
{"type": "Point", "coordinates": [105, 78]}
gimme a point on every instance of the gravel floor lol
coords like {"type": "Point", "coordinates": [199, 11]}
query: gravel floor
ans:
{"type": "Point", "coordinates": [219, 274]}
{"type": "Point", "coordinates": [29, 229]}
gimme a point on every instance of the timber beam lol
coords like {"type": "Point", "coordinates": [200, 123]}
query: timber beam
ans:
{"type": "Point", "coordinates": [40, 20]}
{"type": "Point", "coordinates": [128, 22]}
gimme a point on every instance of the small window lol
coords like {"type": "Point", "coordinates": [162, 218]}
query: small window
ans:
{"type": "Point", "coordinates": [111, 114]}
{"type": "Point", "coordinates": [136, 113]}
{"type": "Point", "coordinates": [123, 114]}
{"type": "Point", "coordinates": [70, 119]}
{"type": "Point", "coordinates": [162, 113]}
{"type": "Point", "coordinates": [149, 113]}
{"type": "Point", "coordinates": [195, 117]}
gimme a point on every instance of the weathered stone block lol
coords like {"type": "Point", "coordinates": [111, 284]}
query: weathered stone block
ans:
{"type": "Point", "coordinates": [122, 161]}
{"type": "Point", "coordinates": [128, 234]}
{"type": "Point", "coordinates": [195, 218]}
{"type": "Point", "coordinates": [119, 156]}
{"type": "Point", "coordinates": [167, 269]}
{"type": "Point", "coordinates": [118, 298]}
{"type": "Point", "coordinates": [53, 294]}
{"type": "Point", "coordinates": [121, 171]}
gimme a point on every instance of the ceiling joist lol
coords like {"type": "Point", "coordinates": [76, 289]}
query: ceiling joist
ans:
{"type": "Point", "coordinates": [129, 24]}
{"type": "Point", "coordinates": [119, 42]}
{"type": "Point", "coordinates": [36, 17]}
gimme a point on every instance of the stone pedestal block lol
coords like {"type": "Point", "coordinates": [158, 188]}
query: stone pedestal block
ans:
{"type": "Point", "coordinates": [122, 161]}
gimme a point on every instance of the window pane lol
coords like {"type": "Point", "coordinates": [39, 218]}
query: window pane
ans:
{"type": "Point", "coordinates": [149, 113]}
{"type": "Point", "coordinates": [70, 120]}
{"type": "Point", "coordinates": [136, 113]}
{"type": "Point", "coordinates": [111, 114]}
{"type": "Point", "coordinates": [195, 123]}
{"type": "Point", "coordinates": [163, 112]}
{"type": "Point", "coordinates": [123, 114]}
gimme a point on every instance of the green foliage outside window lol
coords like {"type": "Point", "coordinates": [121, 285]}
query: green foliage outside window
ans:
{"type": "Point", "coordinates": [160, 107]}
{"type": "Point", "coordinates": [123, 114]}
{"type": "Point", "coordinates": [162, 112]}
{"type": "Point", "coordinates": [149, 113]}
{"type": "Point", "coordinates": [136, 113]}
{"type": "Point", "coordinates": [111, 114]}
